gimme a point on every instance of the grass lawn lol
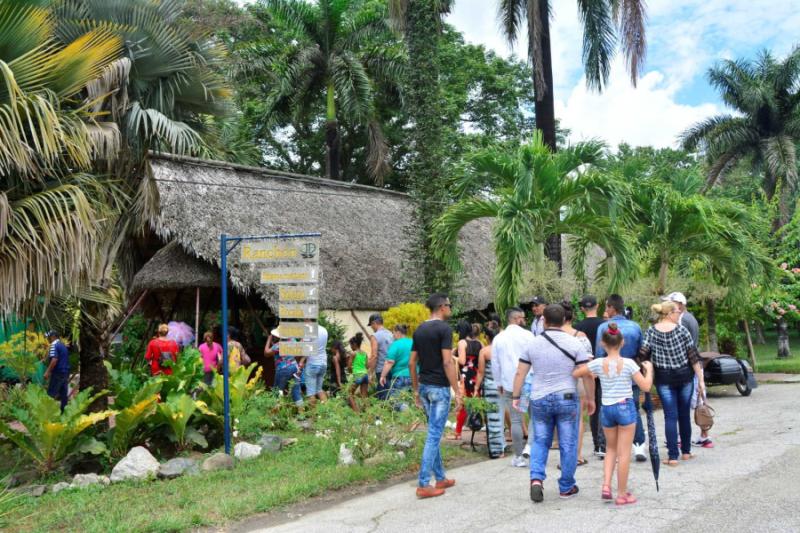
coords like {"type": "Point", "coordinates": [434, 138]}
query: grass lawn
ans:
{"type": "Point", "coordinates": [767, 354]}
{"type": "Point", "coordinates": [309, 468]}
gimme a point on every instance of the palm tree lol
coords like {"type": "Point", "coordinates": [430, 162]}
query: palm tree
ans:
{"type": "Point", "coordinates": [336, 57]}
{"type": "Point", "coordinates": [765, 93]}
{"type": "Point", "coordinates": [163, 90]}
{"type": "Point", "coordinates": [51, 206]}
{"type": "Point", "coordinates": [604, 23]}
{"type": "Point", "coordinates": [530, 194]}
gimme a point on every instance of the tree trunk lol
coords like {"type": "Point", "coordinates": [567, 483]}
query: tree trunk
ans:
{"type": "Point", "coordinates": [427, 186]}
{"type": "Point", "coordinates": [783, 339]}
{"type": "Point", "coordinates": [662, 276]}
{"type": "Point", "coordinates": [544, 108]}
{"type": "Point", "coordinates": [711, 312]}
{"type": "Point", "coordinates": [750, 351]}
{"type": "Point", "coordinates": [760, 334]}
{"type": "Point", "coordinates": [93, 372]}
{"type": "Point", "coordinates": [332, 153]}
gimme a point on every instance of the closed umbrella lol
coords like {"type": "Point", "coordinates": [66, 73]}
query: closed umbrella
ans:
{"type": "Point", "coordinates": [655, 461]}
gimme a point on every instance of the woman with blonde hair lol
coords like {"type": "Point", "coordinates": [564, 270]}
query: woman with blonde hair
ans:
{"type": "Point", "coordinates": [162, 353]}
{"type": "Point", "coordinates": [676, 363]}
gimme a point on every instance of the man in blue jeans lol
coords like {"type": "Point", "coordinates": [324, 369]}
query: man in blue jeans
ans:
{"type": "Point", "coordinates": [553, 354]}
{"type": "Point", "coordinates": [432, 348]}
{"type": "Point", "coordinates": [632, 336]}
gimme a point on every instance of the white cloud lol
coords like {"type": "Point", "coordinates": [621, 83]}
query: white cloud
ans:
{"type": "Point", "coordinates": [646, 115]}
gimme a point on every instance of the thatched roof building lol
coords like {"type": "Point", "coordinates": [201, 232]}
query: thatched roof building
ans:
{"type": "Point", "coordinates": [172, 268]}
{"type": "Point", "coordinates": [364, 232]}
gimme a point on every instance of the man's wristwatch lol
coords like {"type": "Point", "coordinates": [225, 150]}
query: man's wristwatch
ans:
{"type": "Point", "coordinates": [515, 397]}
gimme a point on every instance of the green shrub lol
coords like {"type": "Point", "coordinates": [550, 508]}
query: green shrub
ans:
{"type": "Point", "coordinates": [131, 417]}
{"type": "Point", "coordinates": [242, 386]}
{"type": "Point", "coordinates": [51, 436]}
{"type": "Point", "coordinates": [264, 413]}
{"type": "Point", "coordinates": [175, 413]}
{"type": "Point", "coordinates": [21, 354]}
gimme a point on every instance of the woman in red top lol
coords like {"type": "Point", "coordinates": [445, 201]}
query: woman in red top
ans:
{"type": "Point", "coordinates": [162, 352]}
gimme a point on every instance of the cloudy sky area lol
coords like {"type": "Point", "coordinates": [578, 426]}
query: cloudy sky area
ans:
{"type": "Point", "coordinates": [685, 38]}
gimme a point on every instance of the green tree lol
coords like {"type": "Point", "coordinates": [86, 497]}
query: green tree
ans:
{"type": "Point", "coordinates": [163, 90]}
{"type": "Point", "coordinates": [606, 24]}
{"type": "Point", "coordinates": [764, 132]}
{"type": "Point", "coordinates": [421, 23]}
{"type": "Point", "coordinates": [336, 57]}
{"type": "Point", "coordinates": [51, 206]}
{"type": "Point", "coordinates": [532, 193]}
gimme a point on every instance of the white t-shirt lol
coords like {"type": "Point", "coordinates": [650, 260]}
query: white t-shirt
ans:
{"type": "Point", "coordinates": [616, 386]}
{"type": "Point", "coordinates": [321, 357]}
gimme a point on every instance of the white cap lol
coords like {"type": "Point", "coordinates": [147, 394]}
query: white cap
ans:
{"type": "Point", "coordinates": [676, 297]}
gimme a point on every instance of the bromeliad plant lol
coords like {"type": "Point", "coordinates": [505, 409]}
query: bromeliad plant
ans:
{"type": "Point", "coordinates": [130, 418]}
{"type": "Point", "coordinates": [51, 436]}
{"type": "Point", "coordinates": [241, 387]}
{"type": "Point", "coordinates": [176, 412]}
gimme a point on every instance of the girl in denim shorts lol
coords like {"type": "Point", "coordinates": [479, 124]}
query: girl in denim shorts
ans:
{"type": "Point", "coordinates": [618, 412]}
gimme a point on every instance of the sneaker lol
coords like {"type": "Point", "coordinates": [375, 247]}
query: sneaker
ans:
{"type": "Point", "coordinates": [569, 494]}
{"type": "Point", "coordinates": [428, 492]}
{"type": "Point", "coordinates": [600, 453]}
{"type": "Point", "coordinates": [640, 453]}
{"type": "Point", "coordinates": [537, 491]}
{"type": "Point", "coordinates": [526, 451]}
{"type": "Point", "coordinates": [703, 443]}
{"type": "Point", "coordinates": [519, 462]}
{"type": "Point", "coordinates": [445, 483]}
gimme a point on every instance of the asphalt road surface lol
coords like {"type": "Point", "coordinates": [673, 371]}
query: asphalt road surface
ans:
{"type": "Point", "coordinates": [749, 482]}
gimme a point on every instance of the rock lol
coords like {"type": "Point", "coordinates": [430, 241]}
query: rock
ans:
{"type": "Point", "coordinates": [288, 442]}
{"type": "Point", "coordinates": [58, 487]}
{"type": "Point", "coordinates": [346, 456]}
{"type": "Point", "coordinates": [402, 444]}
{"type": "Point", "coordinates": [305, 425]}
{"type": "Point", "coordinates": [21, 478]}
{"type": "Point", "coordinates": [138, 464]}
{"type": "Point", "coordinates": [401, 455]}
{"type": "Point", "coordinates": [218, 461]}
{"type": "Point", "coordinates": [84, 480]}
{"type": "Point", "coordinates": [33, 490]}
{"type": "Point", "coordinates": [245, 450]}
{"type": "Point", "coordinates": [178, 467]}
{"type": "Point", "coordinates": [270, 443]}
{"type": "Point", "coordinates": [383, 457]}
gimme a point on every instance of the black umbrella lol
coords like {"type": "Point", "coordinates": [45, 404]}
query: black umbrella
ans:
{"type": "Point", "coordinates": [655, 461]}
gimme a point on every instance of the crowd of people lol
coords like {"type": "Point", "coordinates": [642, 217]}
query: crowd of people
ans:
{"type": "Point", "coordinates": [598, 366]}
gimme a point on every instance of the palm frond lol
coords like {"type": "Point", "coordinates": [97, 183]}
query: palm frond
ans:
{"type": "Point", "coordinates": [599, 40]}
{"type": "Point", "coordinates": [631, 18]}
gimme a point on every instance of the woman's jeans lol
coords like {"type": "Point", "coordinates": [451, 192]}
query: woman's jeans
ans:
{"type": "Point", "coordinates": [555, 410]}
{"type": "Point", "coordinates": [436, 402]}
{"type": "Point", "coordinates": [283, 376]}
{"type": "Point", "coordinates": [676, 401]}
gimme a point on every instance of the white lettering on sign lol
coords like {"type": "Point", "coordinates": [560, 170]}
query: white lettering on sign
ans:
{"type": "Point", "coordinates": [287, 275]}
{"type": "Point", "coordinates": [298, 293]}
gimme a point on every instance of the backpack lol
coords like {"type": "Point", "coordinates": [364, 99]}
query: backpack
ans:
{"type": "Point", "coordinates": [165, 359]}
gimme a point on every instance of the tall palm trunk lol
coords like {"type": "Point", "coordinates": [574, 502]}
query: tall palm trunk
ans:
{"type": "Point", "coordinates": [93, 374]}
{"type": "Point", "coordinates": [711, 315]}
{"type": "Point", "coordinates": [783, 339]}
{"type": "Point", "coordinates": [332, 141]}
{"type": "Point", "coordinates": [546, 118]}
{"type": "Point", "coordinates": [663, 269]}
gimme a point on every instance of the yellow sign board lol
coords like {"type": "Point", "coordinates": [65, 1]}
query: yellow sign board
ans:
{"type": "Point", "coordinates": [297, 349]}
{"type": "Point", "coordinates": [298, 311]}
{"type": "Point", "coordinates": [298, 330]}
{"type": "Point", "coordinates": [287, 275]}
{"type": "Point", "coordinates": [298, 293]}
{"type": "Point", "coordinates": [281, 250]}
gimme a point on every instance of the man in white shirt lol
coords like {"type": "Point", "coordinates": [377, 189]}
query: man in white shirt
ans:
{"type": "Point", "coordinates": [507, 348]}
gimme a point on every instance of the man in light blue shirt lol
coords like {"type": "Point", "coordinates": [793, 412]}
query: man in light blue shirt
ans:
{"type": "Point", "coordinates": [632, 337]}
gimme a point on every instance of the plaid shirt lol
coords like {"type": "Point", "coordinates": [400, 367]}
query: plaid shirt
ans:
{"type": "Point", "coordinates": [671, 350]}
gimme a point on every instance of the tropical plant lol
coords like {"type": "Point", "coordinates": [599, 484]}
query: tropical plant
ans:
{"type": "Point", "coordinates": [187, 373]}
{"type": "Point", "coordinates": [130, 417]}
{"type": "Point", "coordinates": [606, 23]}
{"type": "Point", "coordinates": [340, 56]}
{"type": "Point", "coordinates": [22, 352]}
{"type": "Point", "coordinates": [764, 131]}
{"type": "Point", "coordinates": [533, 193]}
{"type": "Point", "coordinates": [265, 412]}
{"type": "Point", "coordinates": [51, 208]}
{"type": "Point", "coordinates": [51, 436]}
{"type": "Point", "coordinates": [175, 413]}
{"type": "Point", "coordinates": [410, 314]}
{"type": "Point", "coordinates": [243, 384]}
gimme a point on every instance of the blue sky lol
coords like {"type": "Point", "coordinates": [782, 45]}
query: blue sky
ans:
{"type": "Point", "coordinates": [685, 38]}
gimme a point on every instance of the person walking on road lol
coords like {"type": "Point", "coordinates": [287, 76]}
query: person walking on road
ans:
{"type": "Point", "coordinates": [588, 326]}
{"type": "Point", "coordinates": [57, 373]}
{"type": "Point", "coordinates": [468, 350]}
{"type": "Point", "coordinates": [587, 345]}
{"type": "Point", "coordinates": [396, 376]}
{"type": "Point", "coordinates": [553, 355]}
{"type": "Point", "coordinates": [632, 333]}
{"type": "Point", "coordinates": [379, 349]}
{"type": "Point", "coordinates": [484, 380]}
{"type": "Point", "coordinates": [507, 348]}
{"type": "Point", "coordinates": [618, 413]}
{"type": "Point", "coordinates": [671, 349]}
{"type": "Point", "coordinates": [432, 347]}
{"type": "Point", "coordinates": [317, 367]}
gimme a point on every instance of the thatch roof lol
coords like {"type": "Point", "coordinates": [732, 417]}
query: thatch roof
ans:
{"type": "Point", "coordinates": [364, 229]}
{"type": "Point", "coordinates": [172, 268]}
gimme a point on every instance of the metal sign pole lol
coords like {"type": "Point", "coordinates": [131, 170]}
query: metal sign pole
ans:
{"type": "Point", "coordinates": [223, 249]}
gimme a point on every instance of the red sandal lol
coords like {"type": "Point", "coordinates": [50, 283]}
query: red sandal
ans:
{"type": "Point", "coordinates": [627, 499]}
{"type": "Point", "coordinates": [605, 494]}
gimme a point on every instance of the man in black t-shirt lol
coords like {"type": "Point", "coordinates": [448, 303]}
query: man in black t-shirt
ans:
{"type": "Point", "coordinates": [432, 348]}
{"type": "Point", "coordinates": [589, 325]}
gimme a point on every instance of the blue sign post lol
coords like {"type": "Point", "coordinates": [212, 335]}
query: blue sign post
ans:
{"type": "Point", "coordinates": [226, 245]}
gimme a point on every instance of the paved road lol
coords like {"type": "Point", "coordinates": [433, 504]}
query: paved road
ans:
{"type": "Point", "coordinates": [749, 482]}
